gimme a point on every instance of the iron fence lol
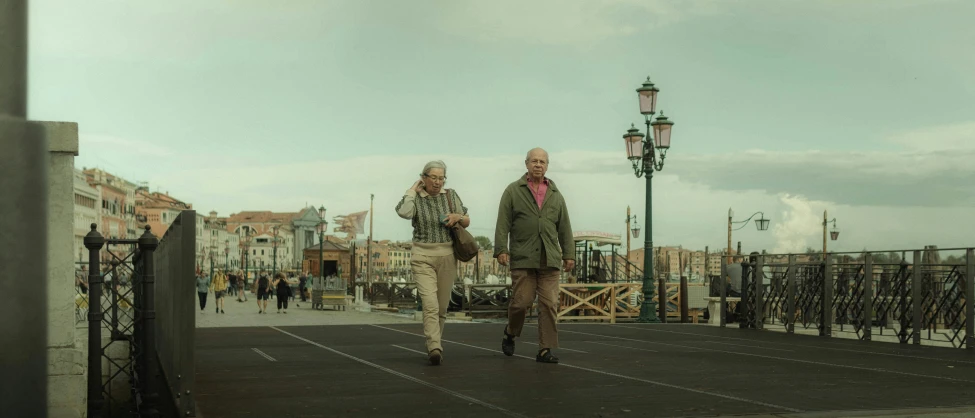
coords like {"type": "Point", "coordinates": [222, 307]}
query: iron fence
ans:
{"type": "Point", "coordinates": [918, 301]}
{"type": "Point", "coordinates": [142, 367]}
{"type": "Point", "coordinates": [118, 376]}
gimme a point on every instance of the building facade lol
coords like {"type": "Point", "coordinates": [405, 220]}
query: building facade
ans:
{"type": "Point", "coordinates": [118, 203]}
{"type": "Point", "coordinates": [268, 239]}
{"type": "Point", "coordinates": [158, 210]}
{"type": "Point", "coordinates": [87, 211]}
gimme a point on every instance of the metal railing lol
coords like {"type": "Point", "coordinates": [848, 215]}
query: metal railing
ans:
{"type": "Point", "coordinates": [143, 280]}
{"type": "Point", "coordinates": [921, 301]}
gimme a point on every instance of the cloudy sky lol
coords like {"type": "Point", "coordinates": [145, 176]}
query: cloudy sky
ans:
{"type": "Point", "coordinates": [865, 109]}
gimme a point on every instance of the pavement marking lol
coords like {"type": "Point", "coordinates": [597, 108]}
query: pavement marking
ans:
{"type": "Point", "coordinates": [752, 346]}
{"type": "Point", "coordinates": [263, 354]}
{"type": "Point", "coordinates": [560, 348]}
{"type": "Point", "coordinates": [818, 346]}
{"type": "Point", "coordinates": [652, 382]}
{"type": "Point", "coordinates": [818, 363]}
{"type": "Point", "coordinates": [623, 346]}
{"type": "Point", "coordinates": [409, 349]}
{"type": "Point", "coordinates": [406, 376]}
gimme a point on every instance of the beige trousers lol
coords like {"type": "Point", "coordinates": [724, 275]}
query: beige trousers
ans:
{"type": "Point", "coordinates": [525, 285]}
{"type": "Point", "coordinates": [434, 276]}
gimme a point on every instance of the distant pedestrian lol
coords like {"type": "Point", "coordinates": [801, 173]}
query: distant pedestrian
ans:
{"type": "Point", "coordinates": [219, 287]}
{"type": "Point", "coordinates": [283, 286]}
{"type": "Point", "coordinates": [241, 285]}
{"type": "Point", "coordinates": [433, 211]}
{"type": "Point", "coordinates": [301, 285]}
{"type": "Point", "coordinates": [231, 284]}
{"type": "Point", "coordinates": [262, 288]}
{"type": "Point", "coordinates": [202, 288]}
{"type": "Point", "coordinates": [534, 216]}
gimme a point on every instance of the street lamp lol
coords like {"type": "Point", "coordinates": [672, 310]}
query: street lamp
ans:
{"type": "Point", "coordinates": [322, 226]}
{"type": "Point", "coordinates": [213, 249]}
{"type": "Point", "coordinates": [635, 230]}
{"type": "Point", "coordinates": [834, 233]}
{"type": "Point", "coordinates": [226, 254]}
{"type": "Point", "coordinates": [245, 244]}
{"type": "Point", "coordinates": [642, 153]}
{"type": "Point", "coordinates": [274, 250]}
{"type": "Point", "coordinates": [761, 223]}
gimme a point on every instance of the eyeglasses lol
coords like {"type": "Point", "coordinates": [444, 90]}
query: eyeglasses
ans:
{"type": "Point", "coordinates": [435, 178]}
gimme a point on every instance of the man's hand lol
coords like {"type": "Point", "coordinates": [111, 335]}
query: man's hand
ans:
{"type": "Point", "coordinates": [568, 265]}
{"type": "Point", "coordinates": [453, 218]}
{"type": "Point", "coordinates": [503, 259]}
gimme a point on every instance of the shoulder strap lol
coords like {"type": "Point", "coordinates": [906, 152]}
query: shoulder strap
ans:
{"type": "Point", "coordinates": [450, 201]}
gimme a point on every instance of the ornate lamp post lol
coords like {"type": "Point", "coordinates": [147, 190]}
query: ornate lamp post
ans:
{"type": "Point", "coordinates": [226, 254]}
{"type": "Point", "coordinates": [761, 223]}
{"type": "Point", "coordinates": [213, 249]}
{"type": "Point", "coordinates": [834, 233]}
{"type": "Point", "coordinates": [274, 250]}
{"type": "Point", "coordinates": [245, 244]}
{"type": "Point", "coordinates": [322, 226]}
{"type": "Point", "coordinates": [642, 153]}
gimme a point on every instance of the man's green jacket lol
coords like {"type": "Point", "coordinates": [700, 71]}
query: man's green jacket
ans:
{"type": "Point", "coordinates": [531, 228]}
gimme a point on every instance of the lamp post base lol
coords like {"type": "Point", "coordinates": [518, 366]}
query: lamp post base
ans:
{"type": "Point", "coordinates": [648, 313]}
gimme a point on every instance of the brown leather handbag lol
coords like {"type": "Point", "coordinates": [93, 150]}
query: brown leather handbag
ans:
{"type": "Point", "coordinates": [465, 247]}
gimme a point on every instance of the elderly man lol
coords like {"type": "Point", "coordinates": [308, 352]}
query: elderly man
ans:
{"type": "Point", "coordinates": [533, 213]}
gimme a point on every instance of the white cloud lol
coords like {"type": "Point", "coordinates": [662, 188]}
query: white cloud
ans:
{"type": "Point", "coordinates": [959, 136]}
{"type": "Point", "coordinates": [935, 178]}
{"type": "Point", "coordinates": [799, 222]}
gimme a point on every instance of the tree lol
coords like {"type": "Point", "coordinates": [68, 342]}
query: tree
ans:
{"type": "Point", "coordinates": [954, 259]}
{"type": "Point", "coordinates": [483, 242]}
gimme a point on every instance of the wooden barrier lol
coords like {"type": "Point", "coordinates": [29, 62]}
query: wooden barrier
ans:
{"type": "Point", "coordinates": [608, 301]}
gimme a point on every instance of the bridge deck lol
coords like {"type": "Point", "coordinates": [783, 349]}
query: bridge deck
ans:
{"type": "Point", "coordinates": [607, 370]}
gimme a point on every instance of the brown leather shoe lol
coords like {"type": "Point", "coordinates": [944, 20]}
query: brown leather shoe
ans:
{"type": "Point", "coordinates": [436, 356]}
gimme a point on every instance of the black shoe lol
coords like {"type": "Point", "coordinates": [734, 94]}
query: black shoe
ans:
{"type": "Point", "coordinates": [221, 311]}
{"type": "Point", "coordinates": [508, 343]}
{"type": "Point", "coordinates": [545, 356]}
{"type": "Point", "coordinates": [436, 357]}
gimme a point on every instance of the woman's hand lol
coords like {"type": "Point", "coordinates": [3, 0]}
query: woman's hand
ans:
{"type": "Point", "coordinates": [418, 186]}
{"type": "Point", "coordinates": [453, 218]}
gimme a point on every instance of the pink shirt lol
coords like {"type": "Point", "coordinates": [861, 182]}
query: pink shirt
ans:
{"type": "Point", "coordinates": [538, 190]}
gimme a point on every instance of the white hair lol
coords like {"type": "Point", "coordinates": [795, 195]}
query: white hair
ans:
{"type": "Point", "coordinates": [434, 164]}
{"type": "Point", "coordinates": [528, 156]}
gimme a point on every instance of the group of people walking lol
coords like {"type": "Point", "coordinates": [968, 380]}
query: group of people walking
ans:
{"type": "Point", "coordinates": [263, 288]}
{"type": "Point", "coordinates": [532, 217]}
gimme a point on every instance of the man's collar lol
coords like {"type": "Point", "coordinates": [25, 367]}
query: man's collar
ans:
{"type": "Point", "coordinates": [423, 192]}
{"type": "Point", "coordinates": [528, 179]}
{"type": "Point", "coordinates": [523, 181]}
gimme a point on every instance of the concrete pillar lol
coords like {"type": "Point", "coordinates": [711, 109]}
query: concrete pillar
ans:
{"type": "Point", "coordinates": [67, 357]}
{"type": "Point", "coordinates": [23, 243]}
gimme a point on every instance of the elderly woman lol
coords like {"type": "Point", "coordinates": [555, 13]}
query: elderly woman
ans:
{"type": "Point", "coordinates": [433, 263]}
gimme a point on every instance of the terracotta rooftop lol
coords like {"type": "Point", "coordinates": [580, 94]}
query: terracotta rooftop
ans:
{"type": "Point", "coordinates": [262, 217]}
{"type": "Point", "coordinates": [159, 200]}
